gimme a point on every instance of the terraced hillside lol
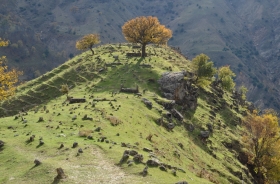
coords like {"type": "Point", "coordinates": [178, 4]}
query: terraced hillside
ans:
{"type": "Point", "coordinates": [118, 127]}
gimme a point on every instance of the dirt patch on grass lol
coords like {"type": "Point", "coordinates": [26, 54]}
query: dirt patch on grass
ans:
{"type": "Point", "coordinates": [99, 170]}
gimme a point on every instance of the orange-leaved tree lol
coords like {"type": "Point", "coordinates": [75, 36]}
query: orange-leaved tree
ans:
{"type": "Point", "coordinates": [145, 30]}
{"type": "Point", "coordinates": [262, 141]}
{"type": "Point", "coordinates": [8, 78]}
{"type": "Point", "coordinates": [87, 42]}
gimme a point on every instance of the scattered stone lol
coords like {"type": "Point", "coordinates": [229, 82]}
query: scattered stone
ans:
{"type": "Point", "coordinates": [75, 144]}
{"type": "Point", "coordinates": [189, 127]}
{"type": "Point", "coordinates": [107, 141]}
{"type": "Point", "coordinates": [130, 162]}
{"type": "Point", "coordinates": [31, 139]}
{"type": "Point", "coordinates": [1, 143]}
{"type": "Point", "coordinates": [74, 117]}
{"type": "Point", "coordinates": [210, 127]}
{"type": "Point", "coordinates": [177, 114]}
{"type": "Point", "coordinates": [41, 142]}
{"type": "Point", "coordinates": [10, 127]}
{"type": "Point", "coordinates": [147, 150]}
{"type": "Point", "coordinates": [162, 167]}
{"type": "Point", "coordinates": [124, 157]}
{"type": "Point", "coordinates": [138, 158]}
{"type": "Point", "coordinates": [37, 162]}
{"type": "Point", "coordinates": [61, 146]}
{"type": "Point", "coordinates": [86, 117]}
{"type": "Point", "coordinates": [147, 102]}
{"type": "Point", "coordinates": [181, 145]}
{"type": "Point", "coordinates": [204, 134]}
{"type": "Point", "coordinates": [133, 152]}
{"type": "Point", "coordinates": [167, 104]}
{"type": "Point", "coordinates": [102, 139]}
{"type": "Point", "coordinates": [60, 174]}
{"type": "Point", "coordinates": [145, 171]}
{"type": "Point", "coordinates": [173, 171]}
{"type": "Point", "coordinates": [182, 182]}
{"type": "Point", "coordinates": [123, 144]}
{"type": "Point", "coordinates": [176, 154]}
{"type": "Point", "coordinates": [149, 137]}
{"type": "Point", "coordinates": [129, 90]}
{"type": "Point", "coordinates": [153, 163]}
{"type": "Point", "coordinates": [80, 150]}
{"type": "Point", "coordinates": [181, 170]}
{"type": "Point", "coordinates": [170, 126]}
{"type": "Point", "coordinates": [76, 100]}
{"type": "Point", "coordinates": [90, 137]}
{"type": "Point", "coordinates": [98, 129]}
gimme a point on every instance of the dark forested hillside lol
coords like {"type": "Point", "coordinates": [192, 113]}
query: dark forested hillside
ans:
{"type": "Point", "coordinates": [244, 35]}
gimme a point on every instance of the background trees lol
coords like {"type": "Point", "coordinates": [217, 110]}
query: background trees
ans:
{"type": "Point", "coordinates": [204, 69]}
{"type": "Point", "coordinates": [87, 42]}
{"type": "Point", "coordinates": [8, 79]}
{"type": "Point", "coordinates": [225, 75]}
{"type": "Point", "coordinates": [145, 30]}
{"type": "Point", "coordinates": [262, 141]}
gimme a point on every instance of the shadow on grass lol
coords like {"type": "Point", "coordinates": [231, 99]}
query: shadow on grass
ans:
{"type": "Point", "coordinates": [56, 180]}
{"type": "Point", "coordinates": [39, 145]}
{"type": "Point", "coordinates": [34, 166]}
{"type": "Point", "coordinates": [140, 60]}
{"type": "Point", "coordinates": [129, 75]}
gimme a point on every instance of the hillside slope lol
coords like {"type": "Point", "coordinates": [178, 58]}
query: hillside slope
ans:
{"type": "Point", "coordinates": [113, 120]}
{"type": "Point", "coordinates": [243, 35]}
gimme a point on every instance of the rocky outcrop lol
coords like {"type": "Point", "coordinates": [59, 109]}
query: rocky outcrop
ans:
{"type": "Point", "coordinates": [180, 87]}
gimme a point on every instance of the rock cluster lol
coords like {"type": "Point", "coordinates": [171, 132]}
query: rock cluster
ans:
{"type": "Point", "coordinates": [179, 86]}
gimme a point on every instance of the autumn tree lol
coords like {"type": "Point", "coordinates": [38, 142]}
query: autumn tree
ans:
{"type": "Point", "coordinates": [8, 78]}
{"type": "Point", "coordinates": [262, 141]}
{"type": "Point", "coordinates": [225, 75]}
{"type": "Point", "coordinates": [145, 30]}
{"type": "Point", "coordinates": [204, 69]}
{"type": "Point", "coordinates": [87, 42]}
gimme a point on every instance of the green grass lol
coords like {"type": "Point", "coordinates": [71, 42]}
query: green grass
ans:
{"type": "Point", "coordinates": [122, 114]}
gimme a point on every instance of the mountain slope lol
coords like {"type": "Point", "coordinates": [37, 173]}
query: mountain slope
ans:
{"type": "Point", "coordinates": [242, 35]}
{"type": "Point", "coordinates": [111, 121]}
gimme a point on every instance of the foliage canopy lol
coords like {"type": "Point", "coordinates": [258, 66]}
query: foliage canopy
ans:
{"type": "Point", "coordinates": [225, 75]}
{"type": "Point", "coordinates": [87, 42]}
{"type": "Point", "coordinates": [8, 79]}
{"type": "Point", "coordinates": [204, 69]}
{"type": "Point", "coordinates": [262, 140]}
{"type": "Point", "coordinates": [145, 30]}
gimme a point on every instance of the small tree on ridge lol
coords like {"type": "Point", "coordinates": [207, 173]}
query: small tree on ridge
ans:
{"type": "Point", "coordinates": [145, 30]}
{"type": "Point", "coordinates": [87, 42]}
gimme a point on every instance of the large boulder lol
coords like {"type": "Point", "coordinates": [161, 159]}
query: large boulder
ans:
{"type": "Point", "coordinates": [179, 86]}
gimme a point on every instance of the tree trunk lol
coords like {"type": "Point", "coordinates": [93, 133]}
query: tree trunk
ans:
{"type": "Point", "coordinates": [92, 51]}
{"type": "Point", "coordinates": [143, 50]}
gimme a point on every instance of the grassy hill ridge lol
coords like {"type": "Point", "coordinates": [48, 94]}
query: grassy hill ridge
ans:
{"type": "Point", "coordinates": [110, 122]}
{"type": "Point", "coordinates": [242, 35]}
